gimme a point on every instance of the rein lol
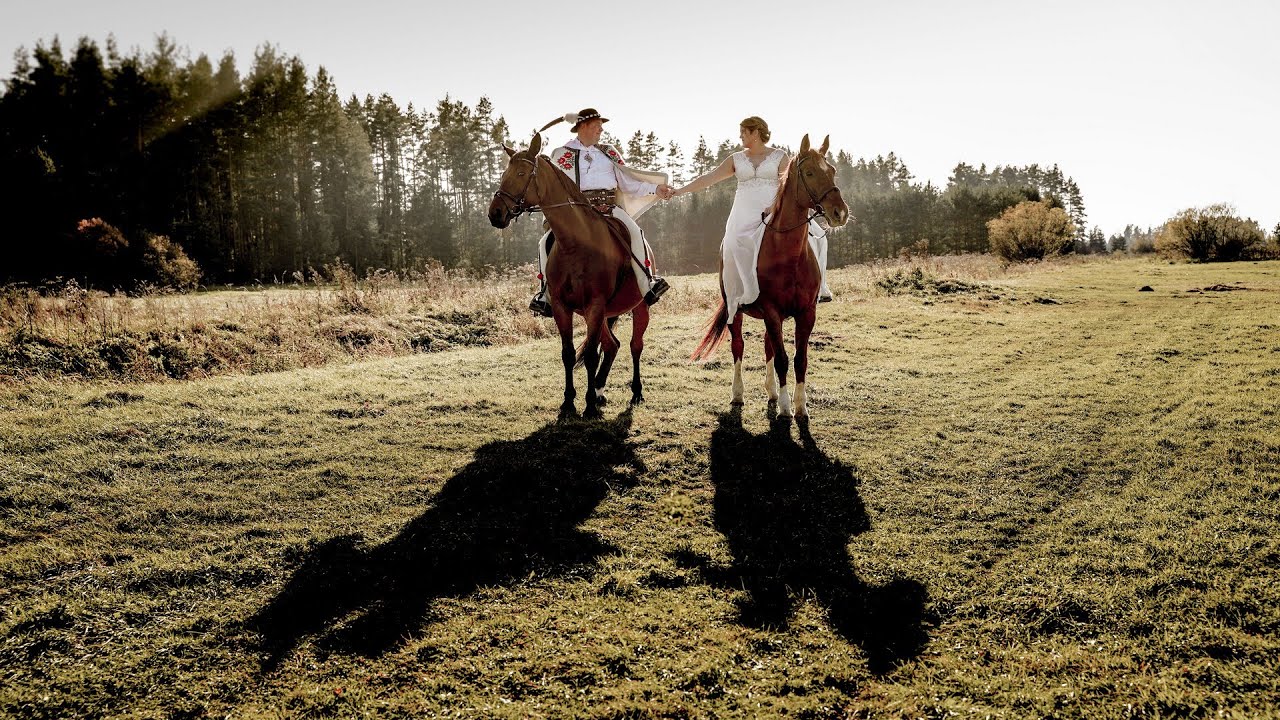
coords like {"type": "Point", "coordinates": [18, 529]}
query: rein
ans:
{"type": "Point", "coordinates": [815, 199]}
{"type": "Point", "coordinates": [521, 205]}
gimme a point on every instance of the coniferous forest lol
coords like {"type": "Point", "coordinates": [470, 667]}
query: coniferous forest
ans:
{"type": "Point", "coordinates": [120, 168]}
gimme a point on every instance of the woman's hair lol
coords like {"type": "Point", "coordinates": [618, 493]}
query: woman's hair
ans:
{"type": "Point", "coordinates": [760, 126]}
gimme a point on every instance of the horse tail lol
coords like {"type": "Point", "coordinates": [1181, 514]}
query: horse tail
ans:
{"type": "Point", "coordinates": [717, 327]}
{"type": "Point", "coordinates": [580, 359]}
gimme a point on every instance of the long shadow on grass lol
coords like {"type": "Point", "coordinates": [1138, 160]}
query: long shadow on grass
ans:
{"type": "Point", "coordinates": [788, 512]}
{"type": "Point", "coordinates": [513, 510]}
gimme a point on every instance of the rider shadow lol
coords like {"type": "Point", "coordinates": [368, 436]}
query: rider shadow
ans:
{"type": "Point", "coordinates": [788, 512]}
{"type": "Point", "coordinates": [512, 511]}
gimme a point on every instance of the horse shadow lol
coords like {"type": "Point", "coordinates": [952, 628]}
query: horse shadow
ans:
{"type": "Point", "coordinates": [788, 512]}
{"type": "Point", "coordinates": [513, 510]}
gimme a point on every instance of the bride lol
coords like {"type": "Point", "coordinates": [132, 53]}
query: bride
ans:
{"type": "Point", "coordinates": [760, 170]}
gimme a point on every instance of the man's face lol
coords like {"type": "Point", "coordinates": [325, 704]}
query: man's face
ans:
{"type": "Point", "coordinates": [589, 131]}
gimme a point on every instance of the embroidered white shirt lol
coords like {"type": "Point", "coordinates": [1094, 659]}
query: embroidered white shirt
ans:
{"type": "Point", "coordinates": [598, 172]}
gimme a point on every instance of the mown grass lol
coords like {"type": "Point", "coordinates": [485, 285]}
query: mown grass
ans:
{"type": "Point", "coordinates": [1042, 494]}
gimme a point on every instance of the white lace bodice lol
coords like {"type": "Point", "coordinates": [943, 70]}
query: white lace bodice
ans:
{"type": "Point", "coordinates": [752, 177]}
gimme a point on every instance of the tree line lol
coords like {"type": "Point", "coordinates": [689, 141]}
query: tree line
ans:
{"type": "Point", "coordinates": [113, 164]}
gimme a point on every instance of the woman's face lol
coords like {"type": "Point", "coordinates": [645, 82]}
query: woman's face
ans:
{"type": "Point", "coordinates": [748, 137]}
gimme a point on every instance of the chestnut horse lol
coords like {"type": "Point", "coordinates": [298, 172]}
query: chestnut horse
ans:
{"type": "Point", "coordinates": [588, 270]}
{"type": "Point", "coordinates": [789, 278]}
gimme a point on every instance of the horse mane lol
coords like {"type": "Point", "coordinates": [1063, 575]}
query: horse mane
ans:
{"type": "Point", "coordinates": [782, 186]}
{"type": "Point", "coordinates": [575, 192]}
{"type": "Point", "coordinates": [576, 196]}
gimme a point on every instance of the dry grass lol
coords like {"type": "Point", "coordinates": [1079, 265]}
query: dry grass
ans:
{"type": "Point", "coordinates": [1001, 508]}
{"type": "Point", "coordinates": [333, 318]}
{"type": "Point", "coordinates": [325, 318]}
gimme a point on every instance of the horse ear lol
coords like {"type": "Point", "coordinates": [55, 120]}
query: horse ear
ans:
{"type": "Point", "coordinates": [826, 142]}
{"type": "Point", "coordinates": [511, 152]}
{"type": "Point", "coordinates": [535, 146]}
{"type": "Point", "coordinates": [804, 144]}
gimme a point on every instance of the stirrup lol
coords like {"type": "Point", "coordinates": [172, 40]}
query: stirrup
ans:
{"type": "Point", "coordinates": [656, 289]}
{"type": "Point", "coordinates": [539, 306]}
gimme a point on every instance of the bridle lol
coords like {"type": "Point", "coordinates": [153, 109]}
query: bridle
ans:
{"type": "Point", "coordinates": [520, 205]}
{"type": "Point", "coordinates": [815, 199]}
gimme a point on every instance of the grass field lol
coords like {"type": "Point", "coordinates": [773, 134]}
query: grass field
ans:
{"type": "Point", "coordinates": [1024, 493]}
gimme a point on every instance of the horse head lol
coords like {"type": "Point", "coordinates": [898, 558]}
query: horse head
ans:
{"type": "Point", "coordinates": [817, 177]}
{"type": "Point", "coordinates": [518, 188]}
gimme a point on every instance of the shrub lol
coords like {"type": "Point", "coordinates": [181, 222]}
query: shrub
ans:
{"type": "Point", "coordinates": [1210, 234]}
{"type": "Point", "coordinates": [103, 238]}
{"type": "Point", "coordinates": [113, 260]}
{"type": "Point", "coordinates": [1031, 231]}
{"type": "Point", "coordinates": [166, 264]}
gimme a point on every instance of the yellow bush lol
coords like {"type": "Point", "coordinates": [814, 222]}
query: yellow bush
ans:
{"type": "Point", "coordinates": [1031, 231]}
{"type": "Point", "coordinates": [1208, 234]}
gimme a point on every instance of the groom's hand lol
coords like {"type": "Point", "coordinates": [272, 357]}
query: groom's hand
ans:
{"type": "Point", "coordinates": [665, 192]}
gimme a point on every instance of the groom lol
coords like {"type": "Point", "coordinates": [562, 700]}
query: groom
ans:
{"type": "Point", "coordinates": [611, 187]}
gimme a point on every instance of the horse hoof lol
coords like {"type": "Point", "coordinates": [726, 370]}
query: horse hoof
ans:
{"type": "Point", "coordinates": [601, 399]}
{"type": "Point", "coordinates": [737, 402]}
{"type": "Point", "coordinates": [568, 412]}
{"type": "Point", "coordinates": [591, 413]}
{"type": "Point", "coordinates": [637, 399]}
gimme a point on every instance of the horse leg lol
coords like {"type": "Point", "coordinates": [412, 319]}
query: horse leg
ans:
{"type": "Point", "coordinates": [611, 345]}
{"type": "Point", "coordinates": [568, 355]}
{"type": "Point", "coordinates": [770, 378]}
{"type": "Point", "coordinates": [595, 322]}
{"type": "Point", "coordinates": [737, 345]}
{"type": "Point", "coordinates": [773, 329]}
{"type": "Point", "coordinates": [804, 326]}
{"type": "Point", "coordinates": [639, 323]}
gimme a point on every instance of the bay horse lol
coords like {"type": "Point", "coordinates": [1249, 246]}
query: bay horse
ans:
{"type": "Point", "coordinates": [789, 279]}
{"type": "Point", "coordinates": [588, 270]}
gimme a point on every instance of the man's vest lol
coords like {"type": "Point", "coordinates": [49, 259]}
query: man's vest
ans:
{"type": "Point", "coordinates": [567, 159]}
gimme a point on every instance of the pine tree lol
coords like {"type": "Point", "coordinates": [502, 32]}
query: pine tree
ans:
{"type": "Point", "coordinates": [635, 150]}
{"type": "Point", "coordinates": [675, 163]}
{"type": "Point", "coordinates": [652, 152]}
{"type": "Point", "coordinates": [703, 160]}
{"type": "Point", "coordinates": [1097, 243]}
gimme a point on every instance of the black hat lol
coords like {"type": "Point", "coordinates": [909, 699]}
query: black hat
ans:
{"type": "Point", "coordinates": [584, 115]}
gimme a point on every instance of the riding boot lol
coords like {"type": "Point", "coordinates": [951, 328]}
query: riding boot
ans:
{"type": "Point", "coordinates": [539, 305]}
{"type": "Point", "coordinates": [657, 287]}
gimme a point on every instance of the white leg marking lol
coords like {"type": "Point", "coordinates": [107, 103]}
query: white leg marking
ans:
{"type": "Point", "coordinates": [802, 401]}
{"type": "Point", "coordinates": [737, 382]}
{"type": "Point", "coordinates": [784, 403]}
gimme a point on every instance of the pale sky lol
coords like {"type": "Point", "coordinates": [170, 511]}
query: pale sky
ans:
{"type": "Point", "coordinates": [1151, 106]}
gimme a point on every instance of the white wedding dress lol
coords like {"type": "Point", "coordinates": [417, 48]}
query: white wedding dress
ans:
{"type": "Point", "coordinates": [743, 231]}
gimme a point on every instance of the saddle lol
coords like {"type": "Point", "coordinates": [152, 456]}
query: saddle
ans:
{"type": "Point", "coordinates": [617, 230]}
